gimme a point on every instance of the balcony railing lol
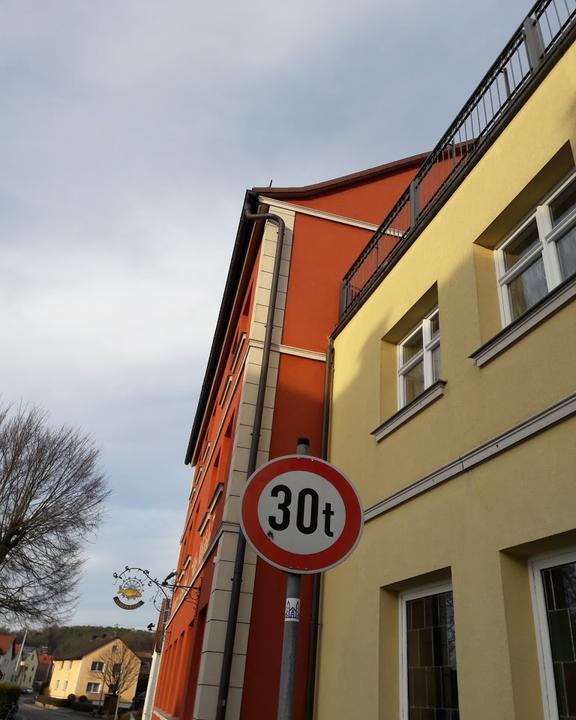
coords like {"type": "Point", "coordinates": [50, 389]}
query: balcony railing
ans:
{"type": "Point", "coordinates": [542, 31]}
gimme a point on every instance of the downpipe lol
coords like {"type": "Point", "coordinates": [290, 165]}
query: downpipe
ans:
{"type": "Point", "coordinates": [252, 457]}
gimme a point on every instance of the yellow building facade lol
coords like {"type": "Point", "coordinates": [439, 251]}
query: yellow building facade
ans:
{"type": "Point", "coordinates": [459, 371]}
{"type": "Point", "coordinates": [92, 672]}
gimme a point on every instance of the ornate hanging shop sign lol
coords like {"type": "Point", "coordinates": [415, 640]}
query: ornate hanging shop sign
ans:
{"type": "Point", "coordinates": [131, 590]}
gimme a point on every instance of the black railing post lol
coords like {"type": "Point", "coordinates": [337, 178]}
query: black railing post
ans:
{"type": "Point", "coordinates": [414, 202]}
{"type": "Point", "coordinates": [343, 299]}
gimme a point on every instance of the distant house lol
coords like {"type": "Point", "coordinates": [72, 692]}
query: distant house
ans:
{"type": "Point", "coordinates": [28, 667]}
{"type": "Point", "coordinates": [44, 669]}
{"type": "Point", "coordinates": [35, 668]}
{"type": "Point", "coordinates": [98, 672]}
{"type": "Point", "coordinates": [9, 658]}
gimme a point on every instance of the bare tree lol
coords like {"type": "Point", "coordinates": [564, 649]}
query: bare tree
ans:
{"type": "Point", "coordinates": [51, 498]}
{"type": "Point", "coordinates": [119, 671]}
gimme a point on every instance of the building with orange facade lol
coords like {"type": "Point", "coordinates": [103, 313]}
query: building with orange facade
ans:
{"type": "Point", "coordinates": [264, 388]}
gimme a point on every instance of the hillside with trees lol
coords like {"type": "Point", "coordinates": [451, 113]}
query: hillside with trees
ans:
{"type": "Point", "coordinates": [67, 641]}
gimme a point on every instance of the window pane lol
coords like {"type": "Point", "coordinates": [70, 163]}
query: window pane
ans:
{"type": "Point", "coordinates": [413, 382]}
{"type": "Point", "coordinates": [528, 288]}
{"type": "Point", "coordinates": [436, 363]}
{"type": "Point", "coordinates": [563, 204]}
{"type": "Point", "coordinates": [567, 253]}
{"type": "Point", "coordinates": [435, 324]}
{"type": "Point", "coordinates": [560, 599]}
{"type": "Point", "coordinates": [521, 245]}
{"type": "Point", "coordinates": [412, 346]}
{"type": "Point", "coordinates": [432, 686]}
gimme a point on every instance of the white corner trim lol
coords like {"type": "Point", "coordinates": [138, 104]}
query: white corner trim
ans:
{"type": "Point", "coordinates": [301, 352]}
{"type": "Point", "coordinates": [289, 350]}
{"type": "Point", "coordinates": [332, 217]}
{"type": "Point", "coordinates": [500, 443]}
{"type": "Point", "coordinates": [408, 411]}
{"type": "Point", "coordinates": [549, 305]}
{"type": "Point", "coordinates": [164, 716]}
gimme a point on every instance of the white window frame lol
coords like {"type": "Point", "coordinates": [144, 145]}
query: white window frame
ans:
{"type": "Point", "coordinates": [404, 598]}
{"type": "Point", "coordinates": [227, 387]}
{"type": "Point", "coordinates": [548, 235]}
{"type": "Point", "coordinates": [206, 451]}
{"type": "Point", "coordinates": [429, 344]}
{"type": "Point", "coordinates": [537, 564]}
{"type": "Point", "coordinates": [236, 351]}
{"type": "Point", "coordinates": [93, 692]}
{"type": "Point", "coordinates": [96, 662]}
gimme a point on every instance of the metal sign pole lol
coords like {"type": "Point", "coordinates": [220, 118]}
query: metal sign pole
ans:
{"type": "Point", "coordinates": [291, 624]}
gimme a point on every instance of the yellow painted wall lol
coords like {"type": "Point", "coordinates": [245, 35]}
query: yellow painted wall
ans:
{"type": "Point", "coordinates": [476, 525]}
{"type": "Point", "coordinates": [64, 678]}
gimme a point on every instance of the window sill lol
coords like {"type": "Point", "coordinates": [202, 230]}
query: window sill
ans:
{"type": "Point", "coordinates": [560, 296]}
{"type": "Point", "coordinates": [429, 396]}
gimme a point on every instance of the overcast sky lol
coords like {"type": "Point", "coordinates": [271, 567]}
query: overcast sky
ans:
{"type": "Point", "coordinates": [129, 130]}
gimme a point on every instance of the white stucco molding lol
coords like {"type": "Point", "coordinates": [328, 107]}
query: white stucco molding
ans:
{"type": "Point", "coordinates": [530, 427]}
{"type": "Point", "coordinates": [549, 305]}
{"type": "Point", "coordinates": [409, 411]}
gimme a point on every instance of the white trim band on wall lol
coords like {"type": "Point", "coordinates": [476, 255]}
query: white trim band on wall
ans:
{"type": "Point", "coordinates": [534, 425]}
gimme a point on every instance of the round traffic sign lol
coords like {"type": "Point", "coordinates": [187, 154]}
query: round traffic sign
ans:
{"type": "Point", "coordinates": [301, 514]}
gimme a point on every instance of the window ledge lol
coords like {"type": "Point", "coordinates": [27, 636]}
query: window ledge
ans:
{"type": "Point", "coordinates": [560, 296]}
{"type": "Point", "coordinates": [406, 413]}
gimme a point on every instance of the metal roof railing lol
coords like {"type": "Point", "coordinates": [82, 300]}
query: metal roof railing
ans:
{"type": "Point", "coordinates": [541, 32]}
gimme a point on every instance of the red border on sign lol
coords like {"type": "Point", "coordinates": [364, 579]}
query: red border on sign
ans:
{"type": "Point", "coordinates": [296, 562]}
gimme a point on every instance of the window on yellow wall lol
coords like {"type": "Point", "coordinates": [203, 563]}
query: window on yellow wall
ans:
{"type": "Point", "coordinates": [419, 359]}
{"type": "Point", "coordinates": [428, 674]}
{"type": "Point", "coordinates": [553, 585]}
{"type": "Point", "coordinates": [410, 364]}
{"type": "Point", "coordinates": [540, 254]}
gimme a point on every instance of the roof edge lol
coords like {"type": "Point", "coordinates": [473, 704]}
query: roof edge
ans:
{"type": "Point", "coordinates": [343, 181]}
{"type": "Point", "coordinates": [237, 262]}
{"type": "Point", "coordinates": [234, 272]}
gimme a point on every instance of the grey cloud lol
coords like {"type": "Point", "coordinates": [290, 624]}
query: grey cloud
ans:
{"type": "Point", "coordinates": [129, 131]}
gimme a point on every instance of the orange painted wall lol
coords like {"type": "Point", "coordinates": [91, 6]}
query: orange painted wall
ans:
{"type": "Point", "coordinates": [369, 202]}
{"type": "Point", "coordinates": [322, 252]}
{"type": "Point", "coordinates": [181, 652]}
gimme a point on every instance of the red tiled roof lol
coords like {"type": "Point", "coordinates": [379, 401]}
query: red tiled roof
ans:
{"type": "Point", "coordinates": [7, 643]}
